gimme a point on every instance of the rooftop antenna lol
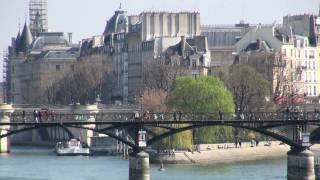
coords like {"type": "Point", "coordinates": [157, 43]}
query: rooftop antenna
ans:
{"type": "Point", "coordinates": [120, 5]}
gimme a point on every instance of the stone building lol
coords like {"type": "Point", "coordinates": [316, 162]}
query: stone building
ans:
{"type": "Point", "coordinates": [34, 66]}
{"type": "Point", "coordinates": [135, 40]}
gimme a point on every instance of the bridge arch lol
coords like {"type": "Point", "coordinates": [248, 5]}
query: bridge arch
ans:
{"type": "Point", "coordinates": [262, 131]}
{"type": "Point", "coordinates": [65, 127]}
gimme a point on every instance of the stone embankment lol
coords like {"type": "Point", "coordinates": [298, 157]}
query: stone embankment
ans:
{"type": "Point", "coordinates": [213, 153]}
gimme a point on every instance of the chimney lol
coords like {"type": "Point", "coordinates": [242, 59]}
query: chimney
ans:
{"type": "Point", "coordinates": [70, 37]}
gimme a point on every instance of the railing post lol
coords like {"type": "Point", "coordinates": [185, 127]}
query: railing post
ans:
{"type": "Point", "coordinates": [5, 111]}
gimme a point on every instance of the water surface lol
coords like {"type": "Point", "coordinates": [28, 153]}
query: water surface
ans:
{"type": "Point", "coordinates": [42, 164]}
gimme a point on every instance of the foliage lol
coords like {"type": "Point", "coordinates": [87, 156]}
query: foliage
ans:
{"type": "Point", "coordinates": [203, 94]}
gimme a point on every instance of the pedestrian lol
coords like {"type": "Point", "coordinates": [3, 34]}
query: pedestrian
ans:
{"type": "Point", "coordinates": [257, 142]}
{"type": "Point", "coordinates": [240, 143]}
{"type": "Point", "coordinates": [180, 115]}
{"type": "Point", "coordinates": [236, 143]}
{"type": "Point", "coordinates": [35, 115]}
{"type": "Point", "coordinates": [242, 116]}
{"type": "Point", "coordinates": [252, 142]}
{"type": "Point", "coordinates": [220, 114]}
{"type": "Point", "coordinates": [24, 116]}
{"type": "Point", "coordinates": [287, 113]}
{"type": "Point", "coordinates": [136, 115]}
{"type": "Point", "coordinates": [174, 116]}
{"type": "Point", "coordinates": [40, 116]}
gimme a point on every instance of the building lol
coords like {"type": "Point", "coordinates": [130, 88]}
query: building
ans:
{"type": "Point", "coordinates": [221, 41]}
{"type": "Point", "coordinates": [289, 60]}
{"type": "Point", "coordinates": [303, 25]}
{"type": "Point", "coordinates": [37, 59]}
{"type": "Point", "coordinates": [35, 67]}
{"type": "Point", "coordinates": [134, 41]}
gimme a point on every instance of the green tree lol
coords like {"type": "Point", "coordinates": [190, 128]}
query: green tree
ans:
{"type": "Point", "coordinates": [203, 94]}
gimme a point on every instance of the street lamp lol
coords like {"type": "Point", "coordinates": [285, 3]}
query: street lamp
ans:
{"type": "Point", "coordinates": [141, 107]}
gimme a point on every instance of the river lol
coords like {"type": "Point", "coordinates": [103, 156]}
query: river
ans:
{"type": "Point", "coordinates": [42, 164]}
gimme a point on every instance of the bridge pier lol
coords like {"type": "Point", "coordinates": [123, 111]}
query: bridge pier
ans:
{"type": "Point", "coordinates": [139, 166]}
{"type": "Point", "coordinates": [300, 164]}
{"type": "Point", "coordinates": [5, 111]}
{"type": "Point", "coordinates": [90, 112]}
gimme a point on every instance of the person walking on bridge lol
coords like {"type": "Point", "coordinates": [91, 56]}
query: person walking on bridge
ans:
{"type": "Point", "coordinates": [35, 115]}
{"type": "Point", "coordinates": [220, 114]}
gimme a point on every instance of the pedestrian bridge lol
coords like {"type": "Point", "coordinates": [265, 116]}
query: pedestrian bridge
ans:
{"type": "Point", "coordinates": [299, 130]}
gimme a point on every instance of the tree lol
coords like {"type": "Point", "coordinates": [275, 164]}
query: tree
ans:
{"type": "Point", "coordinates": [154, 100]}
{"type": "Point", "coordinates": [87, 78]}
{"type": "Point", "coordinates": [160, 75]}
{"type": "Point", "coordinates": [249, 88]}
{"type": "Point", "coordinates": [200, 95]}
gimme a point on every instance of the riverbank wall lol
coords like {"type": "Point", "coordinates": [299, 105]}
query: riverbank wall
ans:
{"type": "Point", "coordinates": [223, 153]}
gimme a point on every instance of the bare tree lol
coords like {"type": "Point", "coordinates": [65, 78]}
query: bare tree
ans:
{"type": "Point", "coordinates": [81, 82]}
{"type": "Point", "coordinates": [249, 88]}
{"type": "Point", "coordinates": [160, 75]}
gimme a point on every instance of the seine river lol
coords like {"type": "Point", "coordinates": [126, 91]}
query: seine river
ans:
{"type": "Point", "coordinates": [42, 164]}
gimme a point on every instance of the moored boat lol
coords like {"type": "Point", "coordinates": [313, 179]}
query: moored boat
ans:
{"type": "Point", "coordinates": [72, 147]}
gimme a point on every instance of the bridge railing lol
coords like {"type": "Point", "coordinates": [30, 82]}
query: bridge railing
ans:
{"type": "Point", "coordinates": [19, 116]}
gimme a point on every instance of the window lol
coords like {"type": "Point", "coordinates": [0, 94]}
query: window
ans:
{"type": "Point", "coordinates": [311, 54]}
{"type": "Point", "coordinates": [291, 52]}
{"type": "Point", "coordinates": [306, 54]}
{"type": "Point", "coordinates": [58, 68]}
{"type": "Point", "coordinates": [12, 87]}
{"type": "Point", "coordinates": [306, 77]}
{"type": "Point", "coordinates": [314, 65]}
{"type": "Point", "coordinates": [309, 76]}
{"type": "Point", "coordinates": [310, 92]}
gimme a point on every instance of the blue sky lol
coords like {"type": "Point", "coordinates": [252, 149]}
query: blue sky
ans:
{"type": "Point", "coordinates": [85, 18]}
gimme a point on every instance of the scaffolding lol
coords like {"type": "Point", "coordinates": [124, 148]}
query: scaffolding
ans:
{"type": "Point", "coordinates": [5, 75]}
{"type": "Point", "coordinates": [38, 17]}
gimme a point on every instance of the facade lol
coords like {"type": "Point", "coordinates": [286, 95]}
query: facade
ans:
{"type": "Point", "coordinates": [134, 41]}
{"type": "Point", "coordinates": [293, 67]}
{"type": "Point", "coordinates": [221, 41]}
{"type": "Point", "coordinates": [45, 61]}
{"type": "Point", "coordinates": [303, 25]}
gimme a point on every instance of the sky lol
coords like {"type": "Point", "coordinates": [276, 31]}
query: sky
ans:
{"type": "Point", "coordinates": [85, 18]}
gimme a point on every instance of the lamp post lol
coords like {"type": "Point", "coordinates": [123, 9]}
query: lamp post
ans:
{"type": "Point", "coordinates": [141, 107]}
